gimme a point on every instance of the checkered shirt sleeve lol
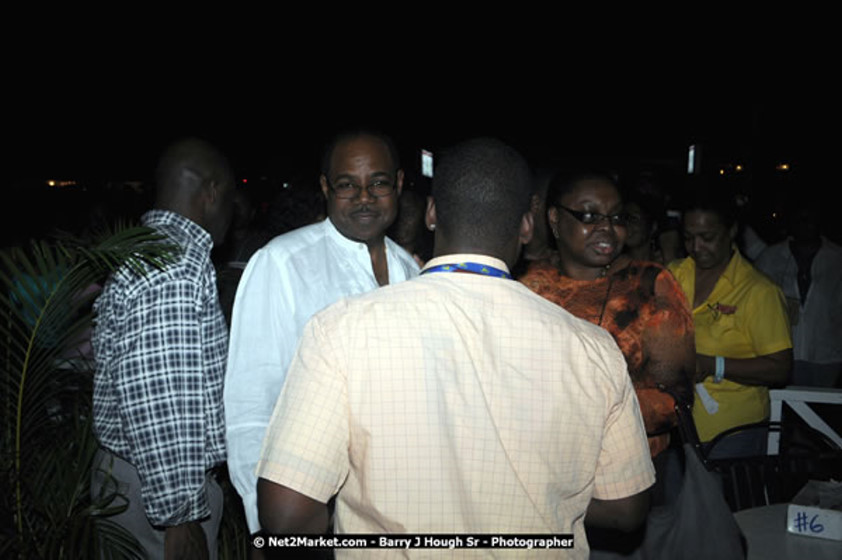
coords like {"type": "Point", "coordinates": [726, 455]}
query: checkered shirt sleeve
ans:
{"type": "Point", "coordinates": [161, 354]}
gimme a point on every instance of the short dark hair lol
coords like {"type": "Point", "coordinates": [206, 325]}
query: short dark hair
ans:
{"type": "Point", "coordinates": [704, 195]}
{"type": "Point", "coordinates": [482, 188]}
{"type": "Point", "coordinates": [351, 134]}
{"type": "Point", "coordinates": [568, 178]}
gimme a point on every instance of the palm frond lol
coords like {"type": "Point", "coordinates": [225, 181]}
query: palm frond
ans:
{"type": "Point", "coordinates": [46, 292]}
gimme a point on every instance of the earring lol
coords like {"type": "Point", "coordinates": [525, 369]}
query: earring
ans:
{"type": "Point", "coordinates": [431, 227]}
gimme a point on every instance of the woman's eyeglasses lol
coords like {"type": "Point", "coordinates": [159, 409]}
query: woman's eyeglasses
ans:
{"type": "Point", "coordinates": [593, 218]}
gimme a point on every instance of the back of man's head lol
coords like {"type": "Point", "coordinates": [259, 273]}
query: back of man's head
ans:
{"type": "Point", "coordinates": [481, 189]}
{"type": "Point", "coordinates": [185, 167]}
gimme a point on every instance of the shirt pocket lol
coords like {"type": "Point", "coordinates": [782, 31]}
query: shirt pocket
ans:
{"type": "Point", "coordinates": [724, 335]}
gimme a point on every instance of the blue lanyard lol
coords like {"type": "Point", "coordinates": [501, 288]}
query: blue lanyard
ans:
{"type": "Point", "coordinates": [476, 268]}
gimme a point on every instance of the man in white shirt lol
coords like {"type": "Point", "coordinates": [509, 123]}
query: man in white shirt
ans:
{"type": "Point", "coordinates": [301, 272]}
{"type": "Point", "coordinates": [808, 268]}
{"type": "Point", "coordinates": [460, 401]}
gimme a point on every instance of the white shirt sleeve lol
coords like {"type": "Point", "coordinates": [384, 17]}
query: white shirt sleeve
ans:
{"type": "Point", "coordinates": [283, 285]}
{"type": "Point", "coordinates": [262, 343]}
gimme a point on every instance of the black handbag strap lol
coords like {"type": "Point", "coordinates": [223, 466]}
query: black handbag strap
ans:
{"type": "Point", "coordinates": [686, 426]}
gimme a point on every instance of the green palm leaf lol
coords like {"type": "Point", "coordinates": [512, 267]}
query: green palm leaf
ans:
{"type": "Point", "coordinates": [47, 446]}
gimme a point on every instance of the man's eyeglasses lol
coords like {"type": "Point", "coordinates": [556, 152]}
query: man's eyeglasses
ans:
{"type": "Point", "coordinates": [379, 188]}
{"type": "Point", "coordinates": [593, 218]}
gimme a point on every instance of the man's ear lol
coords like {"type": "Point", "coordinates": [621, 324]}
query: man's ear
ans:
{"type": "Point", "coordinates": [527, 228]}
{"type": "Point", "coordinates": [323, 183]}
{"type": "Point", "coordinates": [552, 219]}
{"type": "Point", "coordinates": [536, 204]}
{"type": "Point", "coordinates": [430, 214]}
{"type": "Point", "coordinates": [212, 191]}
{"type": "Point", "coordinates": [399, 181]}
{"type": "Point", "coordinates": [206, 194]}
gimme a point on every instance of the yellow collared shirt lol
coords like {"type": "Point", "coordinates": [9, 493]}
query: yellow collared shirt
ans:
{"type": "Point", "coordinates": [744, 317]}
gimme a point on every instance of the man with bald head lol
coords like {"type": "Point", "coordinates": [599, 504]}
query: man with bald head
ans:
{"type": "Point", "coordinates": [301, 272]}
{"type": "Point", "coordinates": [160, 344]}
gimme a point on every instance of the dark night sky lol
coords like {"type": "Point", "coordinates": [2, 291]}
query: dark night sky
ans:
{"type": "Point", "coordinates": [101, 101]}
{"type": "Point", "coordinates": [120, 139]}
{"type": "Point", "coordinates": [114, 131]}
{"type": "Point", "coordinates": [118, 134]}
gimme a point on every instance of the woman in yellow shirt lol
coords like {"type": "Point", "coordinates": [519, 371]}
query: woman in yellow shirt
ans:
{"type": "Point", "coordinates": [743, 342]}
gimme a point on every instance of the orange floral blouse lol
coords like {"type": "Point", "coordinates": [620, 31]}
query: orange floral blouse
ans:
{"type": "Point", "coordinates": [646, 312]}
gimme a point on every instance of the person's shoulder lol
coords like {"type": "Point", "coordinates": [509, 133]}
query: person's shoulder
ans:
{"type": "Point", "coordinates": [282, 250]}
{"type": "Point", "coordinates": [397, 293]}
{"type": "Point", "coordinates": [655, 279]}
{"type": "Point", "coordinates": [680, 266]}
{"type": "Point", "coordinates": [544, 311]}
{"type": "Point", "coordinates": [192, 250]}
{"type": "Point", "coordinates": [578, 335]}
{"type": "Point", "coordinates": [757, 283]}
{"type": "Point", "coordinates": [780, 246]}
{"type": "Point", "coordinates": [831, 248]}
{"type": "Point", "coordinates": [349, 309]}
{"type": "Point", "coordinates": [541, 276]}
{"type": "Point", "coordinates": [186, 265]}
{"type": "Point", "coordinates": [142, 275]}
{"type": "Point", "coordinates": [582, 338]}
{"type": "Point", "coordinates": [539, 268]}
{"type": "Point", "coordinates": [295, 240]}
{"type": "Point", "coordinates": [406, 260]}
{"type": "Point", "coordinates": [773, 256]}
{"type": "Point", "coordinates": [749, 272]}
{"type": "Point", "coordinates": [149, 283]}
{"type": "Point", "coordinates": [429, 288]}
{"type": "Point", "coordinates": [397, 249]}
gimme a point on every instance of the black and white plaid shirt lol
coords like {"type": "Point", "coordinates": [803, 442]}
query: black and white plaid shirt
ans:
{"type": "Point", "coordinates": [160, 344]}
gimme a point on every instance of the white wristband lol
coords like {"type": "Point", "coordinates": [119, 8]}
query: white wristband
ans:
{"type": "Point", "coordinates": [719, 374]}
{"type": "Point", "coordinates": [708, 402]}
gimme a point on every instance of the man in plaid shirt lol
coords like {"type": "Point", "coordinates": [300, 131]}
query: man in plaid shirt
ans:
{"type": "Point", "coordinates": [160, 344]}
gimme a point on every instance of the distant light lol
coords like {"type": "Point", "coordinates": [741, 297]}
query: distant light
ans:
{"type": "Point", "coordinates": [245, 181]}
{"type": "Point", "coordinates": [691, 159]}
{"type": "Point", "coordinates": [775, 215]}
{"type": "Point", "coordinates": [722, 172]}
{"type": "Point", "coordinates": [783, 167]}
{"type": "Point", "coordinates": [54, 183]}
{"type": "Point", "coordinates": [738, 168]}
{"type": "Point", "coordinates": [286, 185]}
{"type": "Point", "coordinates": [427, 163]}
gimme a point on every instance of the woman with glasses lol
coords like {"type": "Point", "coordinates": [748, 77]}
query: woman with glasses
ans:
{"type": "Point", "coordinates": [638, 302]}
{"type": "Point", "coordinates": [743, 340]}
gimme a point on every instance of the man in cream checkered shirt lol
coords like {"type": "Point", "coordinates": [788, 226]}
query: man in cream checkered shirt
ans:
{"type": "Point", "coordinates": [457, 402]}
